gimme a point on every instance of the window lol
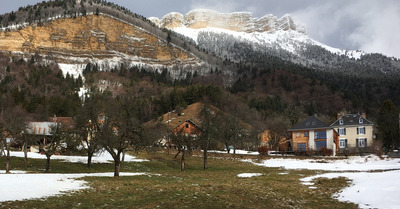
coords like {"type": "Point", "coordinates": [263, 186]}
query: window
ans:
{"type": "Point", "coordinates": [301, 146]}
{"type": "Point", "coordinates": [361, 120]}
{"type": "Point", "coordinates": [361, 142]}
{"type": "Point", "coordinates": [342, 143]}
{"type": "Point", "coordinates": [342, 131]}
{"type": "Point", "coordinates": [298, 134]}
{"type": "Point", "coordinates": [187, 125]}
{"type": "Point", "coordinates": [361, 131]}
{"type": "Point", "coordinates": [320, 135]}
{"type": "Point", "coordinates": [306, 134]}
{"type": "Point", "coordinates": [341, 121]}
{"type": "Point", "coordinates": [320, 144]}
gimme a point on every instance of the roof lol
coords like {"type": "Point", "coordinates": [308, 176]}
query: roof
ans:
{"type": "Point", "coordinates": [193, 114]}
{"type": "Point", "coordinates": [66, 122]}
{"type": "Point", "coordinates": [309, 124]}
{"type": "Point", "coordinates": [352, 120]}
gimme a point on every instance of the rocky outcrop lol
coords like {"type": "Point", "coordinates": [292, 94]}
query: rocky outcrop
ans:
{"type": "Point", "coordinates": [238, 21]}
{"type": "Point", "coordinates": [83, 39]}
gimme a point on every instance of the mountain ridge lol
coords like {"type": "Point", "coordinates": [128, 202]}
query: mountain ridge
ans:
{"type": "Point", "coordinates": [236, 21]}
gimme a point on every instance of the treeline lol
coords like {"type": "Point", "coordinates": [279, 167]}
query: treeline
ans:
{"type": "Point", "coordinates": [41, 90]}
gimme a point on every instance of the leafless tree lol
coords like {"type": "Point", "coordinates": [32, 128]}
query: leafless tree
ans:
{"type": "Point", "coordinates": [53, 143]}
{"type": "Point", "coordinates": [121, 128]}
{"type": "Point", "coordinates": [88, 124]}
{"type": "Point", "coordinates": [13, 123]}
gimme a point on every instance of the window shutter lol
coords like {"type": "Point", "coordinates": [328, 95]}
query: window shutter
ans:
{"type": "Point", "coordinates": [365, 141]}
{"type": "Point", "coordinates": [345, 132]}
{"type": "Point", "coordinates": [345, 143]}
{"type": "Point", "coordinates": [357, 140]}
{"type": "Point", "coordinates": [358, 132]}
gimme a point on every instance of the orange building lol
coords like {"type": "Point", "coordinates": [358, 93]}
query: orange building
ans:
{"type": "Point", "coordinates": [188, 128]}
{"type": "Point", "coordinates": [313, 134]}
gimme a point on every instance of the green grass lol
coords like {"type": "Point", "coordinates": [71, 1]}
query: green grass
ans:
{"type": "Point", "coordinates": [217, 187]}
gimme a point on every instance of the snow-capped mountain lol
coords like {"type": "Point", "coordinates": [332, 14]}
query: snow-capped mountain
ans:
{"type": "Point", "coordinates": [239, 37]}
{"type": "Point", "coordinates": [268, 31]}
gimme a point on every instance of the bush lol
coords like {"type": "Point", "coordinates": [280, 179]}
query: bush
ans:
{"type": "Point", "coordinates": [325, 151]}
{"type": "Point", "coordinates": [263, 150]}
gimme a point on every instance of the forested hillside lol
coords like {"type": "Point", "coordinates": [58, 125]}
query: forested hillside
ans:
{"type": "Point", "coordinates": [272, 87]}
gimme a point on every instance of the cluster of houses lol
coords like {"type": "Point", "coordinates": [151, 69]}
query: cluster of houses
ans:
{"type": "Point", "coordinates": [350, 133]}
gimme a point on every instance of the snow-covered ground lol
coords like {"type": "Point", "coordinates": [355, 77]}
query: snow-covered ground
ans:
{"type": "Point", "coordinates": [101, 157]}
{"type": "Point", "coordinates": [374, 181]}
{"type": "Point", "coordinates": [368, 190]}
{"type": "Point", "coordinates": [20, 185]}
{"type": "Point", "coordinates": [17, 186]}
{"type": "Point", "coordinates": [354, 163]}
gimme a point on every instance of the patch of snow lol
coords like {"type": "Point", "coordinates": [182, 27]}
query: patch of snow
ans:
{"type": "Point", "coordinates": [238, 152]}
{"type": "Point", "coordinates": [354, 163]}
{"type": "Point", "coordinates": [248, 175]}
{"type": "Point", "coordinates": [74, 70]}
{"type": "Point", "coordinates": [20, 186]}
{"type": "Point", "coordinates": [368, 190]}
{"type": "Point", "coordinates": [101, 157]}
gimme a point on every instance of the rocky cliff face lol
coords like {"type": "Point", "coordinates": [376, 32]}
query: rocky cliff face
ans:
{"type": "Point", "coordinates": [95, 39]}
{"type": "Point", "coordinates": [239, 21]}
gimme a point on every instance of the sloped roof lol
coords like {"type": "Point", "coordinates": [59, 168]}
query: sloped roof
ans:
{"type": "Point", "coordinates": [309, 124]}
{"type": "Point", "coordinates": [193, 114]}
{"type": "Point", "coordinates": [352, 120]}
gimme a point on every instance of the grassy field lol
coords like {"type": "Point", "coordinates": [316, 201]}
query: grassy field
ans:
{"type": "Point", "coordinates": [217, 187]}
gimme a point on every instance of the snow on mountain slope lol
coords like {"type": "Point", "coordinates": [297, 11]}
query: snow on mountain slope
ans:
{"type": "Point", "coordinates": [268, 31]}
{"type": "Point", "coordinates": [290, 40]}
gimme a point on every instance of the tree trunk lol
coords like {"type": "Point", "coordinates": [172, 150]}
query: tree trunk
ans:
{"type": "Point", "coordinates": [205, 155]}
{"type": "Point", "coordinates": [123, 156]}
{"type": "Point", "coordinates": [227, 148]}
{"type": "Point", "coordinates": [26, 152]}
{"type": "Point", "coordinates": [8, 160]}
{"type": "Point", "coordinates": [179, 151]}
{"type": "Point", "coordinates": [89, 160]}
{"type": "Point", "coordinates": [117, 166]}
{"type": "Point", "coordinates": [205, 159]}
{"type": "Point", "coordinates": [48, 163]}
{"type": "Point", "coordinates": [183, 161]}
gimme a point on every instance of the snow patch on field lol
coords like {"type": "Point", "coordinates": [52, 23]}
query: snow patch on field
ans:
{"type": "Point", "coordinates": [22, 186]}
{"type": "Point", "coordinates": [101, 157]}
{"type": "Point", "coordinates": [248, 175]}
{"type": "Point", "coordinates": [354, 163]}
{"type": "Point", "coordinates": [368, 190]}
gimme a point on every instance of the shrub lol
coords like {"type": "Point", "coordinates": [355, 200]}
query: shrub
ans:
{"type": "Point", "coordinates": [263, 150]}
{"type": "Point", "coordinates": [325, 151]}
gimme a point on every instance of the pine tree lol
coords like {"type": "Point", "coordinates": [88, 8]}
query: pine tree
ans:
{"type": "Point", "coordinates": [388, 125]}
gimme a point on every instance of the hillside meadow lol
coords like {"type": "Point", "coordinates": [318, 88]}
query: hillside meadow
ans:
{"type": "Point", "coordinates": [167, 187]}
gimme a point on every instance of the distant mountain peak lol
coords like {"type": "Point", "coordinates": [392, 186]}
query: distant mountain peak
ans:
{"type": "Point", "coordinates": [237, 21]}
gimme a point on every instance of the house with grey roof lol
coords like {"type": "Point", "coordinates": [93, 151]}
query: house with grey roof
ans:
{"type": "Point", "coordinates": [313, 134]}
{"type": "Point", "coordinates": [355, 133]}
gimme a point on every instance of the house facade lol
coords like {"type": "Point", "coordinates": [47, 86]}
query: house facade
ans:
{"type": "Point", "coordinates": [355, 133]}
{"type": "Point", "coordinates": [313, 134]}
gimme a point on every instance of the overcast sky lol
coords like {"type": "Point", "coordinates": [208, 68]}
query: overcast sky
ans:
{"type": "Point", "coordinates": [370, 25]}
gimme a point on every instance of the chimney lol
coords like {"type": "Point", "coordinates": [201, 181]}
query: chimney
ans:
{"type": "Point", "coordinates": [339, 115]}
{"type": "Point", "coordinates": [364, 115]}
